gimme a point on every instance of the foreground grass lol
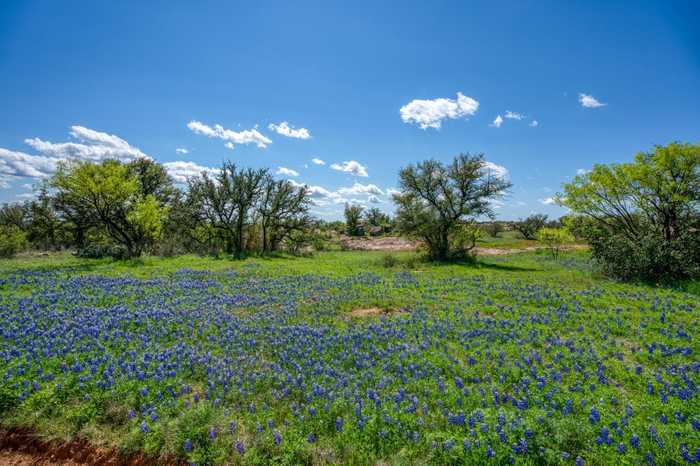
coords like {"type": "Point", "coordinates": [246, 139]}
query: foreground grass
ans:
{"type": "Point", "coordinates": [515, 358]}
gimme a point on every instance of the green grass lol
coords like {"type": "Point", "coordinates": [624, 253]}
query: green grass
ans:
{"type": "Point", "coordinates": [262, 318]}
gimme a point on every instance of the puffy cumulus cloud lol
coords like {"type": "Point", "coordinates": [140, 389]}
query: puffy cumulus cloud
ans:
{"type": "Point", "coordinates": [286, 171]}
{"type": "Point", "coordinates": [90, 145]}
{"type": "Point", "coordinates": [431, 113]}
{"type": "Point", "coordinates": [497, 122]}
{"type": "Point", "coordinates": [289, 131]}
{"type": "Point", "coordinates": [373, 199]}
{"type": "Point", "coordinates": [20, 164]}
{"type": "Point", "coordinates": [548, 201]}
{"type": "Point", "coordinates": [534, 124]}
{"type": "Point", "coordinates": [514, 115]}
{"type": "Point", "coordinates": [93, 145]}
{"type": "Point", "coordinates": [391, 191]}
{"type": "Point", "coordinates": [588, 101]}
{"type": "Point", "coordinates": [181, 151]}
{"type": "Point", "coordinates": [180, 170]}
{"type": "Point", "coordinates": [232, 138]}
{"type": "Point", "coordinates": [317, 161]}
{"type": "Point", "coordinates": [358, 188]}
{"type": "Point", "coordinates": [498, 170]}
{"type": "Point", "coordinates": [351, 166]}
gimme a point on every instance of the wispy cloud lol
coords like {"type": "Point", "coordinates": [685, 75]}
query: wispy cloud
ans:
{"type": "Point", "coordinates": [497, 122]}
{"type": "Point", "coordinates": [582, 171]}
{"type": "Point", "coordinates": [289, 131]}
{"type": "Point", "coordinates": [514, 115]}
{"type": "Point", "coordinates": [534, 124]}
{"type": "Point", "coordinates": [318, 161]}
{"type": "Point", "coordinates": [547, 201]}
{"type": "Point", "coordinates": [182, 151]}
{"type": "Point", "coordinates": [286, 171]}
{"type": "Point", "coordinates": [233, 138]}
{"type": "Point", "coordinates": [588, 101]}
{"type": "Point", "coordinates": [431, 113]}
{"type": "Point", "coordinates": [351, 166]}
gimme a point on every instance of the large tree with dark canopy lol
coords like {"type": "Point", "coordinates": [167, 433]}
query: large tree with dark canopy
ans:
{"type": "Point", "coordinates": [439, 203]}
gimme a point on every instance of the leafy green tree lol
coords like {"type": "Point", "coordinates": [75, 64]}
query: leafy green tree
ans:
{"type": "Point", "coordinates": [284, 211]}
{"type": "Point", "coordinates": [644, 215]}
{"type": "Point", "coordinates": [554, 239]}
{"type": "Point", "coordinates": [439, 204]}
{"type": "Point", "coordinates": [12, 240]}
{"type": "Point", "coordinates": [529, 226]}
{"type": "Point", "coordinates": [353, 220]}
{"type": "Point", "coordinates": [111, 196]}
{"type": "Point", "coordinates": [14, 214]}
{"type": "Point", "coordinates": [226, 202]}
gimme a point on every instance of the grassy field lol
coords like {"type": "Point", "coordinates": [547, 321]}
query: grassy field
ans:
{"type": "Point", "coordinates": [351, 358]}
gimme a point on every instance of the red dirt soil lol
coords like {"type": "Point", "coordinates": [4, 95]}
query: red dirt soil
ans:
{"type": "Point", "coordinates": [22, 447]}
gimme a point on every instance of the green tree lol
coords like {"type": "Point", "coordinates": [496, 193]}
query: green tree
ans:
{"type": "Point", "coordinates": [226, 202]}
{"type": "Point", "coordinates": [645, 214]}
{"type": "Point", "coordinates": [439, 204]}
{"type": "Point", "coordinates": [554, 239]}
{"type": "Point", "coordinates": [12, 240]}
{"type": "Point", "coordinates": [529, 226]}
{"type": "Point", "coordinates": [353, 220]}
{"type": "Point", "coordinates": [284, 211]}
{"type": "Point", "coordinates": [111, 195]}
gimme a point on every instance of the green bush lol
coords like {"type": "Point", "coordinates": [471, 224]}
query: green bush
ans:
{"type": "Point", "coordinates": [646, 257]}
{"type": "Point", "coordinates": [12, 240]}
{"type": "Point", "coordinates": [554, 239]}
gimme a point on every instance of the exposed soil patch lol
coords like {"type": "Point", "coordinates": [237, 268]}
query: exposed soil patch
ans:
{"type": "Point", "coordinates": [374, 312]}
{"type": "Point", "coordinates": [396, 243]}
{"type": "Point", "coordinates": [384, 243]}
{"type": "Point", "coordinates": [22, 447]}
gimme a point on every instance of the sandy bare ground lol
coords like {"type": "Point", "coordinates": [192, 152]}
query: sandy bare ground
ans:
{"type": "Point", "coordinates": [395, 243]}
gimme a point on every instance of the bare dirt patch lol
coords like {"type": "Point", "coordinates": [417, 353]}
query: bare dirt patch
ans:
{"type": "Point", "coordinates": [374, 312]}
{"type": "Point", "coordinates": [384, 243]}
{"type": "Point", "coordinates": [22, 447]}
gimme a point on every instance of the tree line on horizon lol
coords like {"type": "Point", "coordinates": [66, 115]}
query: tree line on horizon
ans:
{"type": "Point", "coordinates": [641, 219]}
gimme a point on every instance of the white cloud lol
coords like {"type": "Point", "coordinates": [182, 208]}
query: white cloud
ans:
{"type": "Point", "coordinates": [94, 146]}
{"type": "Point", "coordinates": [248, 136]}
{"type": "Point", "coordinates": [182, 151]}
{"type": "Point", "coordinates": [318, 161]}
{"type": "Point", "coordinates": [373, 199]}
{"type": "Point", "coordinates": [351, 166]}
{"type": "Point", "coordinates": [534, 124]}
{"type": "Point", "coordinates": [547, 201]}
{"type": "Point", "coordinates": [5, 181]}
{"type": "Point", "coordinates": [589, 101]}
{"type": "Point", "coordinates": [582, 171]}
{"type": "Point", "coordinates": [392, 191]}
{"type": "Point", "coordinates": [286, 171]}
{"type": "Point", "coordinates": [20, 164]}
{"type": "Point", "coordinates": [285, 130]}
{"type": "Point", "coordinates": [514, 115]}
{"type": "Point", "coordinates": [430, 113]}
{"type": "Point", "coordinates": [497, 122]}
{"type": "Point", "coordinates": [359, 188]}
{"type": "Point", "coordinates": [181, 170]}
{"type": "Point", "coordinates": [498, 170]}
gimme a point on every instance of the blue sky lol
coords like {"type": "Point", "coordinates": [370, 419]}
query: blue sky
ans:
{"type": "Point", "coordinates": [367, 87]}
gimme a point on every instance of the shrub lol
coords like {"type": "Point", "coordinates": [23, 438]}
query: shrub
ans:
{"type": "Point", "coordinates": [529, 227]}
{"type": "Point", "coordinates": [389, 261]}
{"type": "Point", "coordinates": [554, 239]}
{"type": "Point", "coordinates": [12, 240]}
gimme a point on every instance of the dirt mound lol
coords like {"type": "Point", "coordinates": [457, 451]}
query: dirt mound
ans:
{"type": "Point", "coordinates": [373, 312]}
{"type": "Point", "coordinates": [22, 447]}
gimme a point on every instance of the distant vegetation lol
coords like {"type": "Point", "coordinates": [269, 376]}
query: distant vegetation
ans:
{"type": "Point", "coordinates": [640, 218]}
